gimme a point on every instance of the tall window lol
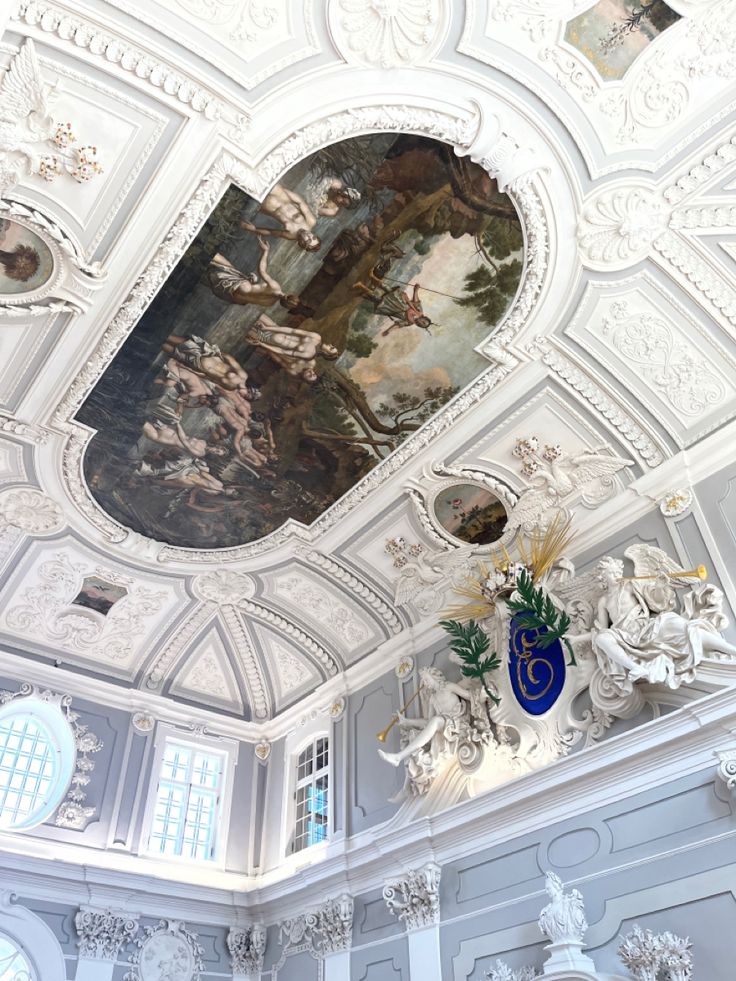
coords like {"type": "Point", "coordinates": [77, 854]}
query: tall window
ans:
{"type": "Point", "coordinates": [187, 812]}
{"type": "Point", "coordinates": [13, 964]}
{"type": "Point", "coordinates": [312, 794]}
{"type": "Point", "coordinates": [37, 756]}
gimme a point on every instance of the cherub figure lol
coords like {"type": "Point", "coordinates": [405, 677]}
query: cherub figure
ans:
{"type": "Point", "coordinates": [637, 633]}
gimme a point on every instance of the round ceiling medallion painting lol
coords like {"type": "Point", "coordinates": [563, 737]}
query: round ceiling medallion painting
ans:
{"type": "Point", "coordinates": [471, 514]}
{"type": "Point", "coordinates": [301, 339]}
{"type": "Point", "coordinates": [26, 263]}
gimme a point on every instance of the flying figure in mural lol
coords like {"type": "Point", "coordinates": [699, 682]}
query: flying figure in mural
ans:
{"type": "Point", "coordinates": [259, 288]}
{"type": "Point", "coordinates": [392, 302]}
{"type": "Point", "coordinates": [293, 349]}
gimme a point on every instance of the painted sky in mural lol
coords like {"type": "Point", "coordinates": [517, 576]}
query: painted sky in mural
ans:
{"type": "Point", "coordinates": [299, 341]}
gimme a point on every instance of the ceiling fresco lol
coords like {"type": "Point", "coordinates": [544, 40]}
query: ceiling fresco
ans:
{"type": "Point", "coordinates": [299, 341]}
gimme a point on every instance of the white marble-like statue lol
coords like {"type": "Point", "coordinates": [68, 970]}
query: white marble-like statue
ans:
{"type": "Point", "coordinates": [452, 714]}
{"type": "Point", "coordinates": [638, 634]}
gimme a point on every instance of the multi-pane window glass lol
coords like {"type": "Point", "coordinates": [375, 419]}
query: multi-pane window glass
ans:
{"type": "Point", "coordinates": [13, 965]}
{"type": "Point", "coordinates": [28, 770]}
{"type": "Point", "coordinates": [187, 807]}
{"type": "Point", "coordinates": [312, 794]}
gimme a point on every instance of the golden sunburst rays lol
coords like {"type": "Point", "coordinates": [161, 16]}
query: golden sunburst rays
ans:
{"type": "Point", "coordinates": [538, 551]}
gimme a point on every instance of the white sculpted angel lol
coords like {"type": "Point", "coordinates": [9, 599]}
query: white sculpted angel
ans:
{"type": "Point", "coordinates": [638, 634]}
{"type": "Point", "coordinates": [30, 141]}
{"type": "Point", "coordinates": [554, 476]}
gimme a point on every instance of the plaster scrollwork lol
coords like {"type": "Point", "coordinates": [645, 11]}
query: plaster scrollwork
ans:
{"type": "Point", "coordinates": [651, 956]}
{"type": "Point", "coordinates": [223, 587]}
{"type": "Point", "coordinates": [324, 930]}
{"type": "Point", "coordinates": [727, 769]}
{"type": "Point", "coordinates": [502, 972]}
{"type": "Point", "coordinates": [31, 511]}
{"type": "Point", "coordinates": [86, 34]}
{"type": "Point", "coordinates": [425, 576]}
{"type": "Point", "coordinates": [103, 932]}
{"type": "Point", "coordinates": [387, 33]}
{"type": "Point", "coordinates": [538, 18]}
{"type": "Point", "coordinates": [48, 608]}
{"type": "Point", "coordinates": [415, 897]}
{"type": "Point", "coordinates": [168, 945]}
{"type": "Point", "coordinates": [676, 502]}
{"type": "Point", "coordinates": [675, 369]}
{"type": "Point", "coordinates": [247, 946]}
{"type": "Point", "coordinates": [618, 226]}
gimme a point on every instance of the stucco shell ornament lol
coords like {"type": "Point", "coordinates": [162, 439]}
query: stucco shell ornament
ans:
{"type": "Point", "coordinates": [166, 952]}
{"type": "Point", "coordinates": [295, 354]}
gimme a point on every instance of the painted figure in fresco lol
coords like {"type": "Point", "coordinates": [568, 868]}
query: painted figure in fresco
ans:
{"type": "Point", "coordinates": [337, 196]}
{"type": "Point", "coordinates": [186, 472]}
{"type": "Point", "coordinates": [258, 288]}
{"type": "Point", "coordinates": [159, 432]}
{"type": "Point", "coordinates": [637, 635]}
{"type": "Point", "coordinates": [448, 703]}
{"type": "Point", "coordinates": [292, 212]}
{"type": "Point", "coordinates": [206, 359]}
{"type": "Point", "coordinates": [293, 349]}
{"type": "Point", "coordinates": [392, 302]}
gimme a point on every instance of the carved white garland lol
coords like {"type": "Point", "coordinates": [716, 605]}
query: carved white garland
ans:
{"type": "Point", "coordinates": [459, 130]}
{"type": "Point", "coordinates": [415, 897]}
{"type": "Point", "coordinates": [103, 44]}
{"type": "Point", "coordinates": [183, 941]}
{"type": "Point", "coordinates": [324, 930]}
{"type": "Point", "coordinates": [247, 946]}
{"type": "Point", "coordinates": [72, 812]}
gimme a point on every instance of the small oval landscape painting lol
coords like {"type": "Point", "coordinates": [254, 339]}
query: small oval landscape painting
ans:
{"type": "Point", "coordinates": [471, 514]}
{"type": "Point", "coordinates": [26, 263]}
{"type": "Point", "coordinates": [300, 340]}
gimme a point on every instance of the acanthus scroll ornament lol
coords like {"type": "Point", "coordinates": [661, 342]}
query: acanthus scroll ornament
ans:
{"type": "Point", "coordinates": [324, 930]}
{"type": "Point", "coordinates": [618, 227]}
{"type": "Point", "coordinates": [727, 769]}
{"type": "Point", "coordinates": [247, 946]}
{"type": "Point", "coordinates": [415, 898]}
{"type": "Point", "coordinates": [103, 932]}
{"type": "Point", "coordinates": [653, 956]}
{"type": "Point", "coordinates": [31, 511]}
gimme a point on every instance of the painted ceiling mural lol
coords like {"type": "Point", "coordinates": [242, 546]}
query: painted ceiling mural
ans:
{"type": "Point", "coordinates": [299, 341]}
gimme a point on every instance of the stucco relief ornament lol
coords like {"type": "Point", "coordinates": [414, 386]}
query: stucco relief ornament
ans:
{"type": "Point", "coordinates": [103, 932]}
{"type": "Point", "coordinates": [166, 952]}
{"type": "Point", "coordinates": [263, 750]}
{"type": "Point", "coordinates": [727, 769]}
{"type": "Point", "coordinates": [247, 946]}
{"type": "Point", "coordinates": [557, 478]}
{"type": "Point", "coordinates": [224, 587]}
{"type": "Point", "coordinates": [502, 972]}
{"type": "Point", "coordinates": [652, 956]}
{"type": "Point", "coordinates": [424, 576]}
{"type": "Point", "coordinates": [31, 511]}
{"type": "Point", "coordinates": [415, 898]}
{"type": "Point", "coordinates": [31, 142]}
{"type": "Point", "coordinates": [388, 33]}
{"type": "Point", "coordinates": [335, 924]}
{"type": "Point", "coordinates": [618, 227]}
{"type": "Point", "coordinates": [73, 812]}
{"type": "Point", "coordinates": [676, 502]}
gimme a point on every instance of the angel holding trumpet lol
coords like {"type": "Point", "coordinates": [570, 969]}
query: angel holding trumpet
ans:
{"type": "Point", "coordinates": [638, 634]}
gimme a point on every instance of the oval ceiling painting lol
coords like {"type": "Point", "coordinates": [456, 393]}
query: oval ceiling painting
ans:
{"type": "Point", "coordinates": [471, 514]}
{"type": "Point", "coordinates": [299, 341]}
{"type": "Point", "coordinates": [26, 263]}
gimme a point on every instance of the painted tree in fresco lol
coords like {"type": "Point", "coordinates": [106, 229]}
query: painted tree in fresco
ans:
{"type": "Point", "coordinates": [20, 264]}
{"type": "Point", "coordinates": [659, 15]}
{"type": "Point", "coordinates": [492, 285]}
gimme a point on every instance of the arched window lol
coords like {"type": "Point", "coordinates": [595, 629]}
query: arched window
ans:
{"type": "Point", "coordinates": [37, 759]}
{"type": "Point", "coordinates": [13, 963]}
{"type": "Point", "coordinates": [312, 794]}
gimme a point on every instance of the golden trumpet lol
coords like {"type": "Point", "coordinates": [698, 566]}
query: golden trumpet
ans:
{"type": "Point", "coordinates": [382, 736]}
{"type": "Point", "coordinates": [700, 573]}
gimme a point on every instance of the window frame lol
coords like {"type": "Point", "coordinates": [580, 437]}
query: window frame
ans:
{"type": "Point", "coordinates": [50, 715]}
{"type": "Point", "coordinates": [294, 783]}
{"type": "Point", "coordinates": [167, 735]}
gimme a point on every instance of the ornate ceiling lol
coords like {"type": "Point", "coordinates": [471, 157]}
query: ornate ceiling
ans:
{"type": "Point", "coordinates": [613, 135]}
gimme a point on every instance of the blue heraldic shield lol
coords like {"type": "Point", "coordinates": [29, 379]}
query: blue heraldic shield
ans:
{"type": "Point", "coordinates": [537, 674]}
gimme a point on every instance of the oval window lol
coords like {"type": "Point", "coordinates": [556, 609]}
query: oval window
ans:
{"type": "Point", "coordinates": [37, 758]}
